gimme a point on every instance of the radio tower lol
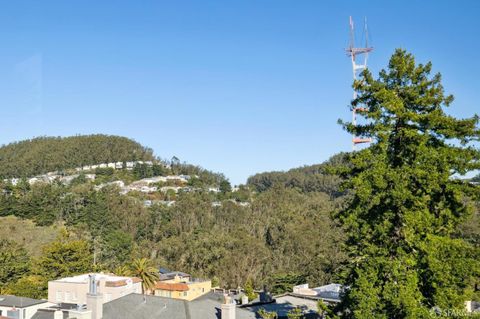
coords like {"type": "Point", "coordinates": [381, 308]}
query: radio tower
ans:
{"type": "Point", "coordinates": [353, 53]}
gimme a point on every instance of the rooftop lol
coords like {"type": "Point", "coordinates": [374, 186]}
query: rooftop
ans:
{"type": "Point", "coordinates": [18, 302]}
{"type": "Point", "coordinates": [166, 274]}
{"type": "Point", "coordinates": [171, 286]}
{"type": "Point", "coordinates": [155, 307]}
{"type": "Point", "coordinates": [110, 280]}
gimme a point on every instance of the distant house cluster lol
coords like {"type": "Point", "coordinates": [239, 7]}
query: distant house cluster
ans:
{"type": "Point", "coordinates": [147, 185]}
{"type": "Point", "coordinates": [115, 165]}
{"type": "Point", "coordinates": [66, 179]}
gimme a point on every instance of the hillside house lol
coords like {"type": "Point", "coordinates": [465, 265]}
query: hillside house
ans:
{"type": "Point", "coordinates": [179, 285]}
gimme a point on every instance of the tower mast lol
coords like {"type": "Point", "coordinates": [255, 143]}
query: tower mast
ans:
{"type": "Point", "coordinates": [355, 55]}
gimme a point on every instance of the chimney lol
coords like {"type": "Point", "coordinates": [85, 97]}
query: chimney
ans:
{"type": "Point", "coordinates": [94, 299]}
{"type": "Point", "coordinates": [58, 314]}
{"type": "Point", "coordinates": [228, 307]}
{"type": "Point", "coordinates": [244, 299]}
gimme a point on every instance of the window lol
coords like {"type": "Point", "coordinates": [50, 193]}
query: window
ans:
{"type": "Point", "coordinates": [185, 293]}
{"type": "Point", "coordinates": [58, 296]}
{"type": "Point", "coordinates": [14, 314]}
{"type": "Point", "coordinates": [67, 296]}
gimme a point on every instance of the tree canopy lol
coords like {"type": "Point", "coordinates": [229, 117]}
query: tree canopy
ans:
{"type": "Point", "coordinates": [46, 154]}
{"type": "Point", "coordinates": [313, 178]}
{"type": "Point", "coordinates": [406, 205]}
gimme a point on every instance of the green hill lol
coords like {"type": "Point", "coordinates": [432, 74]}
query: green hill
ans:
{"type": "Point", "coordinates": [46, 154]}
{"type": "Point", "coordinates": [313, 178]}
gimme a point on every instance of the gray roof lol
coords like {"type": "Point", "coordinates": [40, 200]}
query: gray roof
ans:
{"type": "Point", "coordinates": [284, 303]}
{"type": "Point", "coordinates": [134, 306]}
{"type": "Point", "coordinates": [18, 302]}
{"type": "Point", "coordinates": [48, 313]}
{"type": "Point", "coordinates": [44, 314]}
{"type": "Point", "coordinates": [165, 274]}
{"type": "Point", "coordinates": [155, 307]}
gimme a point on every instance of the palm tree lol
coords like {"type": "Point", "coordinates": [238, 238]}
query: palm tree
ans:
{"type": "Point", "coordinates": [122, 270]}
{"type": "Point", "coordinates": [143, 269]}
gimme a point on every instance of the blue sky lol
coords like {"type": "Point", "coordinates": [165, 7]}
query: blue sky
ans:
{"type": "Point", "coordinates": [237, 87]}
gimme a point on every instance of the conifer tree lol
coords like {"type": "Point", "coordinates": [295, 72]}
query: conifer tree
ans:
{"type": "Point", "coordinates": [406, 201]}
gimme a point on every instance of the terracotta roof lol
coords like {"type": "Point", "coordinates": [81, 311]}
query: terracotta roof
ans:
{"type": "Point", "coordinates": [171, 286]}
{"type": "Point", "coordinates": [120, 283]}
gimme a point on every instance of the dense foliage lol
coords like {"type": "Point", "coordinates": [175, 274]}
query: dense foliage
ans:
{"type": "Point", "coordinates": [14, 262]}
{"type": "Point", "coordinates": [403, 218]}
{"type": "Point", "coordinates": [26, 276]}
{"type": "Point", "coordinates": [46, 154]}
{"type": "Point", "coordinates": [313, 178]}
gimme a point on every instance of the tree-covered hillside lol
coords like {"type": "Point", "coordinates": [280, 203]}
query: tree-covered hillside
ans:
{"type": "Point", "coordinates": [233, 236]}
{"type": "Point", "coordinates": [46, 154]}
{"type": "Point", "coordinates": [313, 178]}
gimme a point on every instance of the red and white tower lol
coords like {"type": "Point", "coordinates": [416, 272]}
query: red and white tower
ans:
{"type": "Point", "coordinates": [355, 55]}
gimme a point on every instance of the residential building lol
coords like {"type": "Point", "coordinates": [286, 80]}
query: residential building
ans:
{"type": "Point", "coordinates": [73, 290]}
{"type": "Point", "coordinates": [180, 285]}
{"type": "Point", "coordinates": [20, 307]}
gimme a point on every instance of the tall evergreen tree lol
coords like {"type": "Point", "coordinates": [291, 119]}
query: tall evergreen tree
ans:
{"type": "Point", "coordinates": [14, 262]}
{"type": "Point", "coordinates": [406, 202]}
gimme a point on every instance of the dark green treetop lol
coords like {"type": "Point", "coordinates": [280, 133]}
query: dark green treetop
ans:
{"type": "Point", "coordinates": [406, 202]}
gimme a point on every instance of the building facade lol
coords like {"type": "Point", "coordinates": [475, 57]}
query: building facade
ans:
{"type": "Point", "coordinates": [74, 290]}
{"type": "Point", "coordinates": [179, 285]}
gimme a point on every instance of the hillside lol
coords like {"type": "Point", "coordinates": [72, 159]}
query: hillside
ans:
{"type": "Point", "coordinates": [181, 216]}
{"type": "Point", "coordinates": [313, 178]}
{"type": "Point", "coordinates": [46, 154]}
{"type": "Point", "coordinates": [186, 218]}
{"type": "Point", "coordinates": [24, 232]}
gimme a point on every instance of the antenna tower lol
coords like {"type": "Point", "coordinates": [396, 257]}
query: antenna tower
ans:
{"type": "Point", "coordinates": [354, 52]}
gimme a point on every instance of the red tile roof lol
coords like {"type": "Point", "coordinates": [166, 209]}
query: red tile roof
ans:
{"type": "Point", "coordinates": [120, 283]}
{"type": "Point", "coordinates": [171, 286]}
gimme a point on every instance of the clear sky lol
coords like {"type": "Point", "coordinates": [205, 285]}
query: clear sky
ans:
{"type": "Point", "coordinates": [238, 87]}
